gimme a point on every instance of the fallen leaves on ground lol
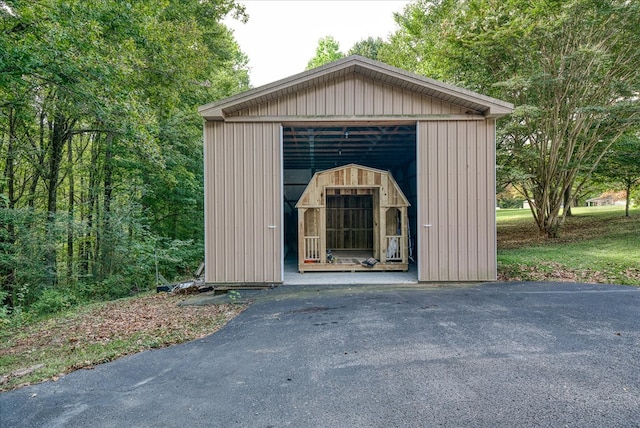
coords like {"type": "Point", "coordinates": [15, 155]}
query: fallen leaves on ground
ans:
{"type": "Point", "coordinates": [120, 327]}
{"type": "Point", "coordinates": [556, 272]}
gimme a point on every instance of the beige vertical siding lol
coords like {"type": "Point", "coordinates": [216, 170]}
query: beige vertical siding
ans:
{"type": "Point", "coordinates": [456, 180]}
{"type": "Point", "coordinates": [243, 188]}
{"type": "Point", "coordinates": [353, 96]}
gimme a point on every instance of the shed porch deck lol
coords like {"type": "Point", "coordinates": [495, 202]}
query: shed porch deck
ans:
{"type": "Point", "coordinates": [352, 261]}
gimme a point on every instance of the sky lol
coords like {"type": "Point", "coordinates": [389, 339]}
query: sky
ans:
{"type": "Point", "coordinates": [281, 36]}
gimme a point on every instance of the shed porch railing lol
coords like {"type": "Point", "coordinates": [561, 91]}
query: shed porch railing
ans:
{"type": "Point", "coordinates": [312, 248]}
{"type": "Point", "coordinates": [394, 247]}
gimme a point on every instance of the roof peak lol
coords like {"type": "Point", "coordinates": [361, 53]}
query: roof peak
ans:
{"type": "Point", "coordinates": [355, 64]}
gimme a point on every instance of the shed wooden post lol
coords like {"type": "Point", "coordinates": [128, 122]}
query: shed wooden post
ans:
{"type": "Point", "coordinates": [404, 246]}
{"type": "Point", "coordinates": [322, 233]}
{"type": "Point", "coordinates": [301, 234]}
{"type": "Point", "coordinates": [376, 225]}
{"type": "Point", "coordinates": [382, 233]}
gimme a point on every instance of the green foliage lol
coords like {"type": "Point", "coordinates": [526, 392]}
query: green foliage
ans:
{"type": "Point", "coordinates": [418, 43]}
{"type": "Point", "coordinates": [620, 167]}
{"type": "Point", "coordinates": [368, 48]}
{"type": "Point", "coordinates": [100, 142]}
{"type": "Point", "coordinates": [573, 80]}
{"type": "Point", "coordinates": [510, 202]}
{"type": "Point", "coordinates": [509, 198]}
{"type": "Point", "coordinates": [22, 254]}
{"type": "Point", "coordinates": [51, 301]}
{"type": "Point", "coordinates": [328, 50]}
{"type": "Point", "coordinates": [5, 310]}
{"type": "Point", "coordinates": [116, 286]}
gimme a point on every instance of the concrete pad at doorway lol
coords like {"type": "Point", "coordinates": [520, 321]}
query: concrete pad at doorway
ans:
{"type": "Point", "coordinates": [293, 277]}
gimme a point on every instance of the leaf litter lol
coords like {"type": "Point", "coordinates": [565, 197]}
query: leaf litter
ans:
{"type": "Point", "coordinates": [103, 332]}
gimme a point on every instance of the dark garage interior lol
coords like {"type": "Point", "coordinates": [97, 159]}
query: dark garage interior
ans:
{"type": "Point", "coordinates": [315, 147]}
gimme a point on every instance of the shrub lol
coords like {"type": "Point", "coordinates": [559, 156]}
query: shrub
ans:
{"type": "Point", "coordinates": [53, 300]}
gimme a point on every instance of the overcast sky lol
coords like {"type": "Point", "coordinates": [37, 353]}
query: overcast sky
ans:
{"type": "Point", "coordinates": [282, 35]}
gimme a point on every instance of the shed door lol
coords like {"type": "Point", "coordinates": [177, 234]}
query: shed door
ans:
{"type": "Point", "coordinates": [243, 203]}
{"type": "Point", "coordinates": [456, 201]}
{"type": "Point", "coordinates": [350, 222]}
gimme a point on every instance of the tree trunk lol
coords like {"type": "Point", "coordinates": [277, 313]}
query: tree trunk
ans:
{"type": "Point", "coordinates": [70, 212]}
{"type": "Point", "coordinates": [40, 165]}
{"type": "Point", "coordinates": [8, 271]}
{"type": "Point", "coordinates": [107, 249]}
{"type": "Point", "coordinates": [567, 202]}
{"type": "Point", "coordinates": [82, 265]}
{"type": "Point", "coordinates": [89, 247]}
{"type": "Point", "coordinates": [547, 216]}
{"type": "Point", "coordinates": [9, 168]}
{"type": "Point", "coordinates": [58, 136]}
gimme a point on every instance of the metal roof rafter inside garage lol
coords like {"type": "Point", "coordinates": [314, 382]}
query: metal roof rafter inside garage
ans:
{"type": "Point", "coordinates": [322, 146]}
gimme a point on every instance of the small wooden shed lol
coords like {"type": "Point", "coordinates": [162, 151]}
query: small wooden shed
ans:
{"type": "Point", "coordinates": [352, 218]}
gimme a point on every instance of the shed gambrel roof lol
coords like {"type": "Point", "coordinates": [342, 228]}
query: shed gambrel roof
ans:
{"type": "Point", "coordinates": [357, 65]}
{"type": "Point", "coordinates": [352, 176]}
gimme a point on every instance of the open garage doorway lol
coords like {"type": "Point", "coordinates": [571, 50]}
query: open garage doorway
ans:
{"type": "Point", "coordinates": [314, 147]}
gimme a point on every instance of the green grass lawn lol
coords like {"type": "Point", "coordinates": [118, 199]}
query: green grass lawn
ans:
{"type": "Point", "coordinates": [597, 244]}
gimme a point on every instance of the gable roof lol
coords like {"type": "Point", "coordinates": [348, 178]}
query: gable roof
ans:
{"type": "Point", "coordinates": [354, 64]}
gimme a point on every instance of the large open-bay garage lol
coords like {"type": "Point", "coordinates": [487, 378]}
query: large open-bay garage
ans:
{"type": "Point", "coordinates": [351, 166]}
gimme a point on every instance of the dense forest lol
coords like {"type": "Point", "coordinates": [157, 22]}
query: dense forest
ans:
{"type": "Point", "coordinates": [101, 143]}
{"type": "Point", "coordinates": [101, 174]}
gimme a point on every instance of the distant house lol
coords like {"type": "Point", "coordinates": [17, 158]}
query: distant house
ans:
{"type": "Point", "coordinates": [601, 201]}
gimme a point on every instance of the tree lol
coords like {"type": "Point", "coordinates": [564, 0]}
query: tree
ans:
{"type": "Point", "coordinates": [578, 100]}
{"type": "Point", "coordinates": [100, 139]}
{"type": "Point", "coordinates": [328, 50]}
{"type": "Point", "coordinates": [417, 45]}
{"type": "Point", "coordinates": [621, 166]}
{"type": "Point", "coordinates": [574, 81]}
{"type": "Point", "coordinates": [367, 48]}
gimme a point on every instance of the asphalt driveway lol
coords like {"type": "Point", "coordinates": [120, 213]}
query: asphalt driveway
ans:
{"type": "Point", "coordinates": [519, 354]}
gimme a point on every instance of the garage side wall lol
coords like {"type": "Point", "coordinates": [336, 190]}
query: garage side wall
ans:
{"type": "Point", "coordinates": [243, 203]}
{"type": "Point", "coordinates": [456, 208]}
